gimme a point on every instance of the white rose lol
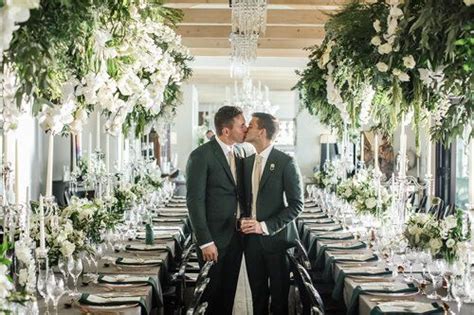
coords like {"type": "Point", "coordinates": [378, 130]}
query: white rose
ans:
{"type": "Point", "coordinates": [370, 203]}
{"type": "Point", "coordinates": [468, 2]}
{"type": "Point", "coordinates": [451, 222]}
{"type": "Point", "coordinates": [382, 67]}
{"type": "Point", "coordinates": [385, 49]}
{"type": "Point", "coordinates": [392, 26]}
{"type": "Point", "coordinates": [450, 243]}
{"type": "Point", "coordinates": [395, 12]}
{"type": "Point", "coordinates": [376, 25]}
{"type": "Point", "coordinates": [409, 62]}
{"type": "Point", "coordinates": [435, 244]}
{"type": "Point", "coordinates": [396, 72]}
{"type": "Point", "coordinates": [404, 77]}
{"type": "Point", "coordinates": [376, 41]}
{"type": "Point", "coordinates": [67, 248]}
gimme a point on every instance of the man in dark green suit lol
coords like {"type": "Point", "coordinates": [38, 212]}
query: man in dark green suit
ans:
{"type": "Point", "coordinates": [274, 193]}
{"type": "Point", "coordinates": [214, 198]}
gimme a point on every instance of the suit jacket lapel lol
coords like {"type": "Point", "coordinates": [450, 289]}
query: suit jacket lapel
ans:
{"type": "Point", "coordinates": [266, 171]}
{"type": "Point", "coordinates": [222, 160]}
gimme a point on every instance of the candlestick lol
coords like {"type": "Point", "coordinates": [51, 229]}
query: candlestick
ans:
{"type": "Point", "coordinates": [376, 152]}
{"type": "Point", "coordinates": [27, 213]}
{"type": "Point", "coordinates": [119, 152]}
{"type": "Point", "coordinates": [107, 153]}
{"type": "Point", "coordinates": [97, 135]}
{"type": "Point", "coordinates": [90, 151]}
{"type": "Point", "coordinates": [49, 170]}
{"type": "Point", "coordinates": [428, 155]}
{"type": "Point", "coordinates": [73, 138]}
{"type": "Point", "coordinates": [471, 173]}
{"type": "Point", "coordinates": [17, 176]}
{"type": "Point", "coordinates": [42, 235]}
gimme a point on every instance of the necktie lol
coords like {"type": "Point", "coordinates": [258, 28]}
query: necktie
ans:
{"type": "Point", "coordinates": [233, 168]}
{"type": "Point", "coordinates": [256, 175]}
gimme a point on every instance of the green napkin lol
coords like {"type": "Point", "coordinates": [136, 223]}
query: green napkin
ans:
{"type": "Point", "coordinates": [97, 300]}
{"type": "Point", "coordinates": [327, 273]}
{"type": "Point", "coordinates": [363, 271]}
{"type": "Point", "coordinates": [325, 228]}
{"type": "Point", "coordinates": [334, 235]}
{"type": "Point", "coordinates": [319, 262]}
{"type": "Point", "coordinates": [148, 248]}
{"type": "Point", "coordinates": [126, 279]}
{"type": "Point", "coordinates": [353, 307]}
{"type": "Point", "coordinates": [405, 307]}
{"type": "Point", "coordinates": [138, 261]}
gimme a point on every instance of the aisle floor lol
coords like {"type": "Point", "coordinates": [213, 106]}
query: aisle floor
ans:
{"type": "Point", "coordinates": [243, 297]}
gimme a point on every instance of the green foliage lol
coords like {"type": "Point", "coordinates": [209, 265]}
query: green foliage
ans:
{"type": "Point", "coordinates": [439, 37]}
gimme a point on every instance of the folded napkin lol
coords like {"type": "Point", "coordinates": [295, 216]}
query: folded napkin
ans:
{"type": "Point", "coordinates": [138, 261]}
{"type": "Point", "coordinates": [407, 307]}
{"type": "Point", "coordinates": [319, 221]}
{"type": "Point", "coordinates": [99, 300]}
{"type": "Point", "coordinates": [147, 248]}
{"type": "Point", "coordinates": [385, 287]}
{"type": "Point", "coordinates": [171, 214]}
{"type": "Point", "coordinates": [326, 227]}
{"type": "Point", "coordinates": [328, 268]}
{"type": "Point", "coordinates": [176, 205]}
{"type": "Point", "coordinates": [319, 262]}
{"type": "Point", "coordinates": [334, 235]}
{"type": "Point", "coordinates": [168, 220]}
{"type": "Point", "coordinates": [130, 279]}
{"type": "Point", "coordinates": [162, 235]}
{"type": "Point", "coordinates": [312, 215]}
{"type": "Point", "coordinates": [368, 271]}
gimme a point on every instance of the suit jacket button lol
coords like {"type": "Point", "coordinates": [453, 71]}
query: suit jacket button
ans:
{"type": "Point", "coordinates": [235, 214]}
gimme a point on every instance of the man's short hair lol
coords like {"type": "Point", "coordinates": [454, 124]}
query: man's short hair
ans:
{"type": "Point", "coordinates": [225, 117]}
{"type": "Point", "coordinates": [268, 122]}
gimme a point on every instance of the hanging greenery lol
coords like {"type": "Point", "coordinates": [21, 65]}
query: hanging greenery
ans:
{"type": "Point", "coordinates": [71, 58]}
{"type": "Point", "coordinates": [379, 60]}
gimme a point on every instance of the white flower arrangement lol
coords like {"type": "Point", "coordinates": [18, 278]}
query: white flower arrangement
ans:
{"type": "Point", "coordinates": [9, 110]}
{"type": "Point", "coordinates": [12, 13]}
{"type": "Point", "coordinates": [27, 272]}
{"type": "Point", "coordinates": [443, 238]}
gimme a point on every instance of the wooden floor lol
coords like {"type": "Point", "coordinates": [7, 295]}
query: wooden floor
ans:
{"type": "Point", "coordinates": [243, 297]}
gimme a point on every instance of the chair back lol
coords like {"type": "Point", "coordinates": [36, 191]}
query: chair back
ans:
{"type": "Point", "coordinates": [196, 307]}
{"type": "Point", "coordinates": [302, 255]}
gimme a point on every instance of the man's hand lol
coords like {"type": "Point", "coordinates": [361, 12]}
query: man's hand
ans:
{"type": "Point", "coordinates": [251, 227]}
{"type": "Point", "coordinates": [209, 253]}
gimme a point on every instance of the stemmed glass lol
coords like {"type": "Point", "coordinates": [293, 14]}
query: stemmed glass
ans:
{"type": "Point", "coordinates": [97, 256]}
{"type": "Point", "coordinates": [55, 289]}
{"type": "Point", "coordinates": [435, 270]}
{"type": "Point", "coordinates": [449, 274]}
{"type": "Point", "coordinates": [460, 290]}
{"type": "Point", "coordinates": [62, 266]}
{"type": "Point", "coordinates": [41, 286]}
{"type": "Point", "coordinates": [74, 265]}
{"type": "Point", "coordinates": [411, 256]}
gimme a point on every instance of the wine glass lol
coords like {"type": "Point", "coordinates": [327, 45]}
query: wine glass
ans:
{"type": "Point", "coordinates": [459, 290]}
{"type": "Point", "coordinates": [74, 265]}
{"type": "Point", "coordinates": [411, 255]}
{"type": "Point", "coordinates": [62, 266]}
{"type": "Point", "coordinates": [41, 285]}
{"type": "Point", "coordinates": [55, 289]}
{"type": "Point", "coordinates": [435, 270]}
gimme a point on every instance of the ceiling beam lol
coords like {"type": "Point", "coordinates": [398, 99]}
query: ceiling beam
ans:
{"type": "Point", "coordinates": [275, 17]}
{"type": "Point", "coordinates": [271, 32]}
{"type": "Point", "coordinates": [272, 4]}
{"type": "Point", "coordinates": [263, 43]}
{"type": "Point", "coordinates": [278, 52]}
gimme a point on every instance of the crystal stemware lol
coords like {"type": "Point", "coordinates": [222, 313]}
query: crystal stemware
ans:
{"type": "Point", "coordinates": [41, 286]}
{"type": "Point", "coordinates": [74, 265]}
{"type": "Point", "coordinates": [55, 289]}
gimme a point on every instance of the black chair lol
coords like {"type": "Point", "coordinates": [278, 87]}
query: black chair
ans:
{"type": "Point", "coordinates": [449, 210]}
{"type": "Point", "coordinates": [302, 256]}
{"type": "Point", "coordinates": [306, 298]}
{"type": "Point", "coordinates": [197, 306]}
{"type": "Point", "coordinates": [422, 204]}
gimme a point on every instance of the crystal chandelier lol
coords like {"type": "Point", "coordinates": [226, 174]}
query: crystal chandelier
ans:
{"type": "Point", "coordinates": [249, 17]}
{"type": "Point", "coordinates": [248, 23]}
{"type": "Point", "coordinates": [251, 98]}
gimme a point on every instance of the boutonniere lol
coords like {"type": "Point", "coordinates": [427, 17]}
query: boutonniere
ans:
{"type": "Point", "coordinates": [272, 167]}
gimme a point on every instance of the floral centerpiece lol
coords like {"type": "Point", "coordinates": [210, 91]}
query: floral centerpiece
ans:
{"type": "Point", "coordinates": [328, 177]}
{"type": "Point", "coordinates": [125, 197]}
{"type": "Point", "coordinates": [445, 238]}
{"type": "Point", "coordinates": [364, 193]}
{"type": "Point", "coordinates": [92, 217]}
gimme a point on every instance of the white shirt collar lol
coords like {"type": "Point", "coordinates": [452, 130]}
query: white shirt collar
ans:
{"type": "Point", "coordinates": [265, 153]}
{"type": "Point", "coordinates": [225, 147]}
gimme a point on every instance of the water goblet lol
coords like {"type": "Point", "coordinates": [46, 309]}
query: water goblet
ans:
{"type": "Point", "coordinates": [41, 286]}
{"type": "Point", "coordinates": [62, 266]}
{"type": "Point", "coordinates": [55, 289]}
{"type": "Point", "coordinates": [75, 267]}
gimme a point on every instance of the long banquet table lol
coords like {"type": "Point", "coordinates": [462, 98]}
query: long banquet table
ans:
{"type": "Point", "coordinates": [318, 233]}
{"type": "Point", "coordinates": [171, 227]}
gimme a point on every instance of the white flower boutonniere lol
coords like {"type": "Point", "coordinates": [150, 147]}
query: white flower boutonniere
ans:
{"type": "Point", "coordinates": [272, 167]}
